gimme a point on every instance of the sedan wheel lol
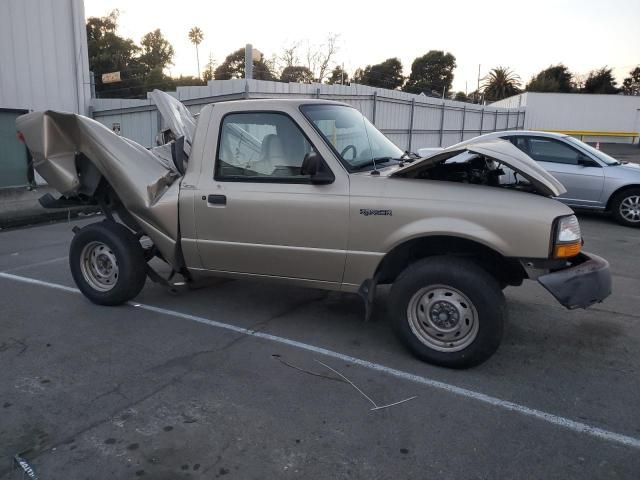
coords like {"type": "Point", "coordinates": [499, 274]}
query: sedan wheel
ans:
{"type": "Point", "coordinates": [625, 207]}
{"type": "Point", "coordinates": [630, 208]}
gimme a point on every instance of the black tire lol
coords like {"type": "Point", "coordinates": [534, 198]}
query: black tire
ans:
{"type": "Point", "coordinates": [616, 203]}
{"type": "Point", "coordinates": [121, 245]}
{"type": "Point", "coordinates": [437, 274]}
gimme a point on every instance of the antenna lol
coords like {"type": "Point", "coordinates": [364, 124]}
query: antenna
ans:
{"type": "Point", "coordinates": [373, 158]}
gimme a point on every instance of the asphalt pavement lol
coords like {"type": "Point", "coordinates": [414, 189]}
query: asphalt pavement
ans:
{"type": "Point", "coordinates": [233, 381]}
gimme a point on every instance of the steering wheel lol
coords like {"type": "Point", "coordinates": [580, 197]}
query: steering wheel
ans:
{"type": "Point", "coordinates": [347, 148]}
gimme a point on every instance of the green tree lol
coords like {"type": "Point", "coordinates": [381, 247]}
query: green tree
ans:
{"type": "Point", "coordinates": [387, 74]}
{"type": "Point", "coordinates": [433, 72]}
{"type": "Point", "coordinates": [600, 81]}
{"type": "Point", "coordinates": [338, 76]}
{"type": "Point", "coordinates": [555, 78]}
{"type": "Point", "coordinates": [196, 36]}
{"type": "Point", "coordinates": [631, 84]}
{"type": "Point", "coordinates": [233, 67]}
{"type": "Point", "coordinates": [187, 81]}
{"type": "Point", "coordinates": [157, 52]}
{"type": "Point", "coordinates": [109, 52]}
{"type": "Point", "coordinates": [209, 69]}
{"type": "Point", "coordinates": [156, 78]}
{"type": "Point", "coordinates": [500, 83]}
{"type": "Point", "coordinates": [461, 97]}
{"type": "Point", "coordinates": [296, 74]}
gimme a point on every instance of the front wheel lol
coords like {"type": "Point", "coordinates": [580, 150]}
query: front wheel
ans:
{"type": "Point", "coordinates": [448, 311]}
{"type": "Point", "coordinates": [107, 263]}
{"type": "Point", "coordinates": [625, 207]}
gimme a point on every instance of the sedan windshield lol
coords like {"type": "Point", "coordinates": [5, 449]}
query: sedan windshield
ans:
{"type": "Point", "coordinates": [593, 151]}
{"type": "Point", "coordinates": [355, 140]}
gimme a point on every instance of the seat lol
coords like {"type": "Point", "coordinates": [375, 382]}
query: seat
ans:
{"type": "Point", "coordinates": [271, 155]}
{"type": "Point", "coordinates": [272, 150]}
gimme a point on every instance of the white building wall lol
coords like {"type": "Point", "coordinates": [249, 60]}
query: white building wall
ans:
{"type": "Point", "coordinates": [43, 55]}
{"type": "Point", "coordinates": [615, 117]}
{"type": "Point", "coordinates": [516, 101]}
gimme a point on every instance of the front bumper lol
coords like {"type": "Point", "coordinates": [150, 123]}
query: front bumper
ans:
{"type": "Point", "coordinates": [585, 282]}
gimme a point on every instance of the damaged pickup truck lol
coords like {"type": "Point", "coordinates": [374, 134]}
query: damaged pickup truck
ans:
{"type": "Point", "coordinates": [311, 193]}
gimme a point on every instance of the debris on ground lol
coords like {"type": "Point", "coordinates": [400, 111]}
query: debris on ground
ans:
{"type": "Point", "coordinates": [375, 405]}
{"type": "Point", "coordinates": [339, 378]}
{"type": "Point", "coordinates": [309, 372]}
{"type": "Point", "coordinates": [25, 467]}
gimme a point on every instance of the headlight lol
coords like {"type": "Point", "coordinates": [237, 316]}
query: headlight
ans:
{"type": "Point", "coordinates": [568, 238]}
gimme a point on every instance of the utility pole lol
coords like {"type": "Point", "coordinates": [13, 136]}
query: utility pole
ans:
{"type": "Point", "coordinates": [92, 81]}
{"type": "Point", "coordinates": [248, 61]}
{"type": "Point", "coordinates": [342, 77]}
{"type": "Point", "coordinates": [478, 90]}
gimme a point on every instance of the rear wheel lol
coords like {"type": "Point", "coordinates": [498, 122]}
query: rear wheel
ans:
{"type": "Point", "coordinates": [448, 311]}
{"type": "Point", "coordinates": [107, 263]}
{"type": "Point", "coordinates": [625, 207]}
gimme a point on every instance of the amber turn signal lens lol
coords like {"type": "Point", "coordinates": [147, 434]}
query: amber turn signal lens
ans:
{"type": "Point", "coordinates": [567, 250]}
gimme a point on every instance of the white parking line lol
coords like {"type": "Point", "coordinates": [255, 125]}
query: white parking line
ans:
{"type": "Point", "coordinates": [37, 264]}
{"type": "Point", "coordinates": [557, 420]}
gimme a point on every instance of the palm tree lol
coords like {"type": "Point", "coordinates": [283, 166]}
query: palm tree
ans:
{"type": "Point", "coordinates": [195, 37]}
{"type": "Point", "coordinates": [500, 83]}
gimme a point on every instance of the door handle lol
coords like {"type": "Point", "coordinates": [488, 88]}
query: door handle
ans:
{"type": "Point", "coordinates": [217, 199]}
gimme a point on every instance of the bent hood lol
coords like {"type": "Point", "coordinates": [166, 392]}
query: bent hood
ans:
{"type": "Point", "coordinates": [62, 143]}
{"type": "Point", "coordinates": [502, 152]}
{"type": "Point", "coordinates": [177, 117]}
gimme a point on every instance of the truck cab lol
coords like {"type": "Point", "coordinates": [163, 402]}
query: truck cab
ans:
{"type": "Point", "coordinates": [257, 209]}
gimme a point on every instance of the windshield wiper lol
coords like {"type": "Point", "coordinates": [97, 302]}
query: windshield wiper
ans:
{"type": "Point", "coordinates": [409, 157]}
{"type": "Point", "coordinates": [377, 160]}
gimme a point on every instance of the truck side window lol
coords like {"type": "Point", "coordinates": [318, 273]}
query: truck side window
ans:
{"type": "Point", "coordinates": [259, 146]}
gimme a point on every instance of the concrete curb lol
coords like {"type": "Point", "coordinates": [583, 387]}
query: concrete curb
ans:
{"type": "Point", "coordinates": [23, 219]}
{"type": "Point", "coordinates": [19, 207]}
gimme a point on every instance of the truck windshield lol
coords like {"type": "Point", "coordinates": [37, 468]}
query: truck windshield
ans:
{"type": "Point", "coordinates": [355, 140]}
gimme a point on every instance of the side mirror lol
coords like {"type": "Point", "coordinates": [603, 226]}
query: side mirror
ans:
{"type": "Point", "coordinates": [313, 165]}
{"type": "Point", "coordinates": [585, 161]}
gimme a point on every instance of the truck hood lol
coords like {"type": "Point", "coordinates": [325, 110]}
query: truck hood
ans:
{"type": "Point", "coordinates": [62, 144]}
{"type": "Point", "coordinates": [502, 152]}
{"type": "Point", "coordinates": [176, 116]}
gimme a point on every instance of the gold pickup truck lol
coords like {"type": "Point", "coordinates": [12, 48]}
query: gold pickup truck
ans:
{"type": "Point", "coordinates": [311, 193]}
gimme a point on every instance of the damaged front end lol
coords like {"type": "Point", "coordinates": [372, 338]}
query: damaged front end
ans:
{"type": "Point", "coordinates": [89, 164]}
{"type": "Point", "coordinates": [494, 163]}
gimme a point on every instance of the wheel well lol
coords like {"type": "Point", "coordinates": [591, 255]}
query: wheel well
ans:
{"type": "Point", "coordinates": [506, 270]}
{"type": "Point", "coordinates": [110, 204]}
{"type": "Point", "coordinates": [618, 191]}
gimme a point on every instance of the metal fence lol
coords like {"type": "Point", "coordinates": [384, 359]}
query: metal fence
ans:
{"type": "Point", "coordinates": [410, 121]}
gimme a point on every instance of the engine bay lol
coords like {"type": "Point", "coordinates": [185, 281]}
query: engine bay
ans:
{"type": "Point", "coordinates": [477, 170]}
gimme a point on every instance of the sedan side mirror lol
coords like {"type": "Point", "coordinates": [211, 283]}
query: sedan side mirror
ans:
{"type": "Point", "coordinates": [314, 166]}
{"type": "Point", "coordinates": [587, 162]}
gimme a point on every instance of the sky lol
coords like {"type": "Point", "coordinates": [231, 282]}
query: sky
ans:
{"type": "Point", "coordinates": [524, 36]}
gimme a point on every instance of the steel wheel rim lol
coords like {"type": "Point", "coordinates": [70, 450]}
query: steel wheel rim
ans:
{"type": "Point", "coordinates": [630, 208]}
{"type": "Point", "coordinates": [99, 266]}
{"type": "Point", "coordinates": [443, 318]}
